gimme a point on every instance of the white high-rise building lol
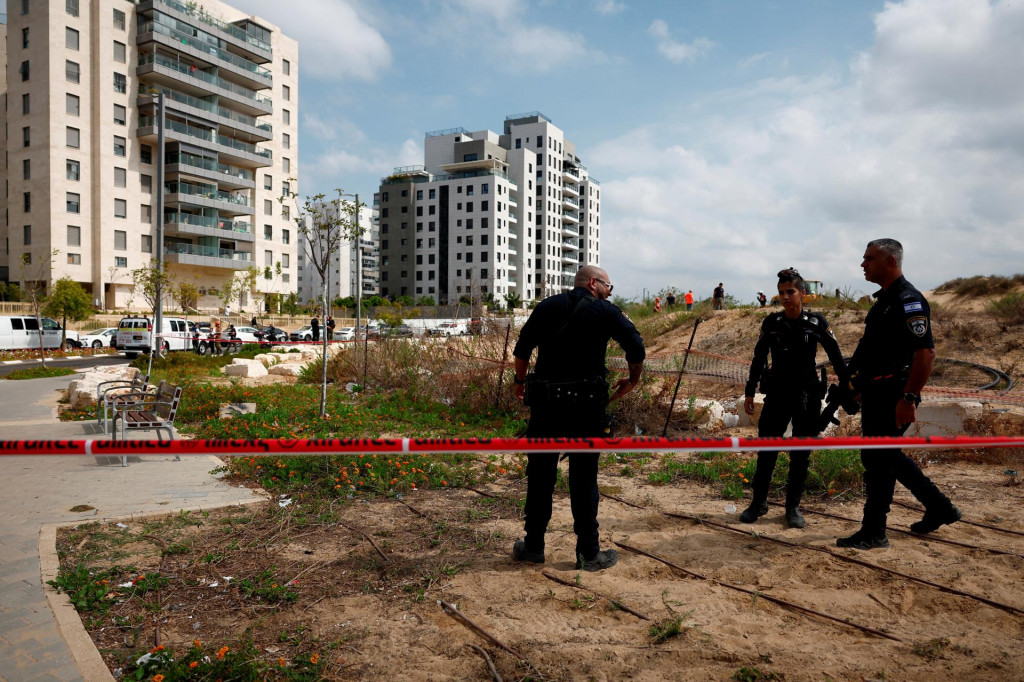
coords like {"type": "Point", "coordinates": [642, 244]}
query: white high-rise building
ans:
{"type": "Point", "coordinates": [83, 79]}
{"type": "Point", "coordinates": [515, 213]}
{"type": "Point", "coordinates": [341, 281]}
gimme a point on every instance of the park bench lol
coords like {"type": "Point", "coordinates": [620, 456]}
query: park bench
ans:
{"type": "Point", "coordinates": [152, 412]}
{"type": "Point", "coordinates": [107, 392]}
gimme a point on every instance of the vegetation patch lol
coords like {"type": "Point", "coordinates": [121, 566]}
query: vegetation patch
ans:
{"type": "Point", "coordinates": [39, 373]}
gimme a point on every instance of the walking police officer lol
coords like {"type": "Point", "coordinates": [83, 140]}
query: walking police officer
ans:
{"type": "Point", "coordinates": [893, 361]}
{"type": "Point", "coordinates": [792, 390]}
{"type": "Point", "coordinates": [567, 395]}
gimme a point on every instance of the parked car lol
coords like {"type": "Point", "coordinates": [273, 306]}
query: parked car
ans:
{"type": "Point", "coordinates": [449, 329]}
{"type": "Point", "coordinates": [247, 334]}
{"type": "Point", "coordinates": [99, 338]}
{"type": "Point", "coordinates": [22, 331]}
{"type": "Point", "coordinates": [402, 330]}
{"type": "Point", "coordinates": [304, 333]}
{"type": "Point", "coordinates": [345, 334]}
{"type": "Point", "coordinates": [135, 335]}
{"type": "Point", "coordinates": [272, 334]}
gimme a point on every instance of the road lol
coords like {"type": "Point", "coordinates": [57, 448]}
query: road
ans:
{"type": "Point", "coordinates": [84, 362]}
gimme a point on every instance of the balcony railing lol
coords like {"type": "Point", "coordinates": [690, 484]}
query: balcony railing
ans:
{"type": "Point", "coordinates": [570, 200]}
{"type": "Point", "coordinates": [204, 134]}
{"type": "Point", "coordinates": [207, 192]}
{"type": "Point", "coordinates": [216, 81]}
{"type": "Point", "coordinates": [208, 251]}
{"type": "Point", "coordinates": [206, 18]}
{"type": "Point", "coordinates": [191, 41]}
{"type": "Point", "coordinates": [194, 161]}
{"type": "Point", "coordinates": [147, 90]}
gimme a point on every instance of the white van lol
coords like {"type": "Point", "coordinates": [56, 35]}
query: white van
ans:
{"type": "Point", "coordinates": [135, 334]}
{"type": "Point", "coordinates": [22, 332]}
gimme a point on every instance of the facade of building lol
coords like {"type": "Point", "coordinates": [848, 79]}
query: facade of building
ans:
{"type": "Point", "coordinates": [342, 276]}
{"type": "Point", "coordinates": [84, 79]}
{"type": "Point", "coordinates": [487, 214]}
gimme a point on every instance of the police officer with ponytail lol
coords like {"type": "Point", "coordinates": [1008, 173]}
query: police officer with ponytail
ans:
{"type": "Point", "coordinates": [792, 389]}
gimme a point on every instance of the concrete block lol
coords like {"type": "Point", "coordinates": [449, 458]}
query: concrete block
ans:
{"type": "Point", "coordinates": [245, 368]}
{"type": "Point", "coordinates": [268, 359]}
{"type": "Point", "coordinates": [943, 419]}
{"type": "Point", "coordinates": [81, 392]}
{"type": "Point", "coordinates": [288, 369]}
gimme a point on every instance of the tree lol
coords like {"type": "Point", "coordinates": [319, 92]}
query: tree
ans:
{"type": "Point", "coordinates": [324, 225]}
{"type": "Point", "coordinates": [68, 299]}
{"type": "Point", "coordinates": [152, 282]}
{"type": "Point", "coordinates": [513, 300]}
{"type": "Point", "coordinates": [405, 300]}
{"type": "Point", "coordinates": [426, 300]}
{"type": "Point", "coordinates": [10, 292]}
{"type": "Point", "coordinates": [34, 283]}
{"type": "Point", "coordinates": [186, 295]}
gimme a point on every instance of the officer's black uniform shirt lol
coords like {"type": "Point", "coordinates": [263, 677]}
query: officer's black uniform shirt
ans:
{"type": "Point", "coordinates": [898, 324]}
{"type": "Point", "coordinates": [793, 345]}
{"type": "Point", "coordinates": [578, 350]}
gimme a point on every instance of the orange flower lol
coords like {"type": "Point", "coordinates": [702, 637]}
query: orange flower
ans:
{"type": "Point", "coordinates": [220, 652]}
{"type": "Point", "coordinates": [194, 664]}
{"type": "Point", "coordinates": [280, 662]}
{"type": "Point", "coordinates": [314, 659]}
{"type": "Point", "coordinates": [158, 678]}
{"type": "Point", "coordinates": [197, 644]}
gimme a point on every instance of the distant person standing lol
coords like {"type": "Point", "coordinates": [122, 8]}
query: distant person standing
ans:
{"type": "Point", "coordinates": [688, 298]}
{"type": "Point", "coordinates": [657, 304]}
{"type": "Point", "coordinates": [252, 323]}
{"type": "Point", "coordinates": [670, 300]}
{"type": "Point", "coordinates": [762, 299]}
{"type": "Point", "coordinates": [330, 328]}
{"type": "Point", "coordinates": [718, 298]}
{"type": "Point", "coordinates": [315, 324]}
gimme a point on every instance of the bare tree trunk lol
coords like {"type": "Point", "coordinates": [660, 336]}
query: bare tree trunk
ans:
{"type": "Point", "coordinates": [323, 373]}
{"type": "Point", "coordinates": [39, 326]}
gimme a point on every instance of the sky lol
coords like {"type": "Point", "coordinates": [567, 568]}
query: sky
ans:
{"type": "Point", "coordinates": [731, 138]}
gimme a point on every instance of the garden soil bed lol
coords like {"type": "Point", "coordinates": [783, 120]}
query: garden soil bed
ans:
{"type": "Point", "coordinates": [371, 609]}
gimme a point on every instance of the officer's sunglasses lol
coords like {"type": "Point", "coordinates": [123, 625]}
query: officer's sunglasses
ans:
{"type": "Point", "coordinates": [607, 284]}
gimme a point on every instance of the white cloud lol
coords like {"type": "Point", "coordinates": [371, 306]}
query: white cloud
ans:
{"type": "Point", "coordinates": [673, 50]}
{"type": "Point", "coordinates": [345, 158]}
{"type": "Point", "coordinates": [335, 40]}
{"type": "Point", "coordinates": [609, 6]}
{"type": "Point", "coordinates": [922, 140]}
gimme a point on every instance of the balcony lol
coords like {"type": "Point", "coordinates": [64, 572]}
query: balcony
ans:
{"type": "Point", "coordinates": [226, 176]}
{"type": "Point", "coordinates": [569, 201]}
{"type": "Point", "coordinates": [570, 216]}
{"type": "Point", "coordinates": [166, 70]}
{"type": "Point", "coordinates": [251, 46]}
{"type": "Point", "coordinates": [207, 256]}
{"type": "Point", "coordinates": [513, 217]}
{"type": "Point", "coordinates": [235, 150]}
{"type": "Point", "coordinates": [195, 106]}
{"type": "Point", "coordinates": [225, 203]}
{"type": "Point", "coordinates": [571, 189]}
{"type": "Point", "coordinates": [207, 226]}
{"type": "Point", "coordinates": [570, 172]}
{"type": "Point", "coordinates": [252, 75]}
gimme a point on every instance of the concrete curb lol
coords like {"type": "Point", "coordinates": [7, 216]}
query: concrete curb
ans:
{"type": "Point", "coordinates": [84, 653]}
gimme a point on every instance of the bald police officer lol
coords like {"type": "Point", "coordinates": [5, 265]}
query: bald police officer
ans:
{"type": "Point", "coordinates": [893, 361]}
{"type": "Point", "coordinates": [567, 395]}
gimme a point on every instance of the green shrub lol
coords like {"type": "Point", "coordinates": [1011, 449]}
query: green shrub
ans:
{"type": "Point", "coordinates": [1008, 309]}
{"type": "Point", "coordinates": [38, 373]}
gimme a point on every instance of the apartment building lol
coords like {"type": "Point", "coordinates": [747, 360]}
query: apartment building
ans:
{"type": "Point", "coordinates": [489, 214]}
{"type": "Point", "coordinates": [344, 272]}
{"type": "Point", "coordinates": [84, 78]}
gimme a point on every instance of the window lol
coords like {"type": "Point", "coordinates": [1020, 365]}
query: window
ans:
{"type": "Point", "coordinates": [286, 189]}
{"type": "Point", "coordinates": [146, 214]}
{"type": "Point", "coordinates": [120, 177]}
{"type": "Point", "coordinates": [286, 67]}
{"type": "Point", "coordinates": [286, 93]}
{"type": "Point", "coordinates": [287, 116]}
{"type": "Point", "coordinates": [72, 105]}
{"type": "Point", "coordinates": [26, 169]}
{"type": "Point", "coordinates": [286, 141]}
{"type": "Point", "coordinates": [74, 202]}
{"type": "Point", "coordinates": [26, 105]}
{"type": "Point", "coordinates": [268, 207]}
{"type": "Point", "coordinates": [268, 182]}
{"type": "Point", "coordinates": [120, 115]}
{"type": "Point", "coordinates": [24, 70]}
{"type": "Point", "coordinates": [74, 235]}
{"type": "Point", "coordinates": [286, 164]}
{"type": "Point", "coordinates": [27, 260]}
{"type": "Point", "coordinates": [268, 232]}
{"type": "Point", "coordinates": [24, 6]}
{"type": "Point", "coordinates": [268, 258]}
{"type": "Point", "coordinates": [24, 38]}
{"type": "Point", "coordinates": [71, 71]}
{"type": "Point", "coordinates": [120, 208]}
{"type": "Point", "coordinates": [72, 7]}
{"type": "Point", "coordinates": [146, 154]}
{"type": "Point", "coordinates": [71, 38]}
{"type": "Point", "coordinates": [120, 83]}
{"type": "Point", "coordinates": [120, 262]}
{"type": "Point", "coordinates": [26, 233]}
{"type": "Point", "coordinates": [146, 182]}
{"type": "Point", "coordinates": [286, 212]}
{"type": "Point", "coordinates": [74, 259]}
{"type": "Point", "coordinates": [147, 243]}
{"type": "Point", "coordinates": [118, 19]}
{"type": "Point", "coordinates": [286, 236]}
{"type": "Point", "coordinates": [432, 209]}
{"type": "Point", "coordinates": [26, 198]}
{"type": "Point", "coordinates": [120, 146]}
{"type": "Point", "coordinates": [119, 52]}
{"type": "Point", "coordinates": [286, 260]}
{"type": "Point", "coordinates": [469, 207]}
{"type": "Point", "coordinates": [120, 240]}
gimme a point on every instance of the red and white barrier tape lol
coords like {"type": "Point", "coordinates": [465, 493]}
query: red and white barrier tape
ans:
{"type": "Point", "coordinates": [349, 446]}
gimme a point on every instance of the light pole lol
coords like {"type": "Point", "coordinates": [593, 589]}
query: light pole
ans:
{"type": "Point", "coordinates": [359, 266]}
{"type": "Point", "coordinates": [158, 314]}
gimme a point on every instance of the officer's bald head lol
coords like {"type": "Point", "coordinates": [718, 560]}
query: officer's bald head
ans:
{"type": "Point", "coordinates": [588, 272]}
{"type": "Point", "coordinates": [891, 247]}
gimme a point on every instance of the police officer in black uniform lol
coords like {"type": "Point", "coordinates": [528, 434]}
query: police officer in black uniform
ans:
{"type": "Point", "coordinates": [567, 395]}
{"type": "Point", "coordinates": [892, 363]}
{"type": "Point", "coordinates": [792, 390]}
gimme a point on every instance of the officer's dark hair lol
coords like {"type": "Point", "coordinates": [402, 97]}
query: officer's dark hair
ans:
{"type": "Point", "coordinates": [791, 275]}
{"type": "Point", "coordinates": [891, 247]}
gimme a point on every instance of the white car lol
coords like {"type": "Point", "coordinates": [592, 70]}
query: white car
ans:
{"type": "Point", "coordinates": [246, 334]}
{"type": "Point", "coordinates": [98, 338]}
{"type": "Point", "coordinates": [449, 329]}
{"type": "Point", "coordinates": [344, 333]}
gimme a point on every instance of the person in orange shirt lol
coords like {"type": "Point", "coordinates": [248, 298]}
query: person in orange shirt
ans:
{"type": "Point", "coordinates": [689, 299]}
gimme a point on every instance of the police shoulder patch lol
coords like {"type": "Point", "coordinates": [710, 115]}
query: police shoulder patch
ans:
{"type": "Point", "coordinates": [918, 325]}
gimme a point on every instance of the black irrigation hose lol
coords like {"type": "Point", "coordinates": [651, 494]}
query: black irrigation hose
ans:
{"type": "Point", "coordinates": [1000, 377]}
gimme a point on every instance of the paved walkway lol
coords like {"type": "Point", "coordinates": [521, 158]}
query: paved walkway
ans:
{"type": "Point", "coordinates": [41, 490]}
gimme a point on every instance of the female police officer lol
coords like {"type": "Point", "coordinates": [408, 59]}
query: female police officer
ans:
{"type": "Point", "coordinates": [792, 390]}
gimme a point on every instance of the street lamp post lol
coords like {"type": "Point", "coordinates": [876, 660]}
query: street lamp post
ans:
{"type": "Point", "coordinates": [158, 314]}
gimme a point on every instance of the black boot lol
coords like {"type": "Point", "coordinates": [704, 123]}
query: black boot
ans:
{"type": "Point", "coordinates": [794, 519]}
{"type": "Point", "coordinates": [798, 465]}
{"type": "Point", "coordinates": [762, 481]}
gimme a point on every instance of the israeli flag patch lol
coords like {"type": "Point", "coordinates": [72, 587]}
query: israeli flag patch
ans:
{"type": "Point", "coordinates": [914, 307]}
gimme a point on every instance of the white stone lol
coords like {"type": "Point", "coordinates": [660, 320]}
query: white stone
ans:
{"type": "Point", "coordinates": [709, 413]}
{"type": "Point", "coordinates": [246, 368]}
{"type": "Point", "coordinates": [81, 392]}
{"type": "Point", "coordinates": [268, 359]}
{"type": "Point", "coordinates": [748, 419]}
{"type": "Point", "coordinates": [943, 419]}
{"type": "Point", "coordinates": [288, 369]}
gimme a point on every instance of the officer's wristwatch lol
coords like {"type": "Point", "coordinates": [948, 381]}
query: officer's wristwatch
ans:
{"type": "Point", "coordinates": [911, 397]}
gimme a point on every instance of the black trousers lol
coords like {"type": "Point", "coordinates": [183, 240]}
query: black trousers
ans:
{"type": "Point", "coordinates": [883, 467]}
{"type": "Point", "coordinates": [802, 406]}
{"type": "Point", "coordinates": [542, 472]}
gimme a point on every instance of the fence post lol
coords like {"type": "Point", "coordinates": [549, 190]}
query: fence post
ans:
{"type": "Point", "coordinates": [679, 379]}
{"type": "Point", "coordinates": [504, 361]}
